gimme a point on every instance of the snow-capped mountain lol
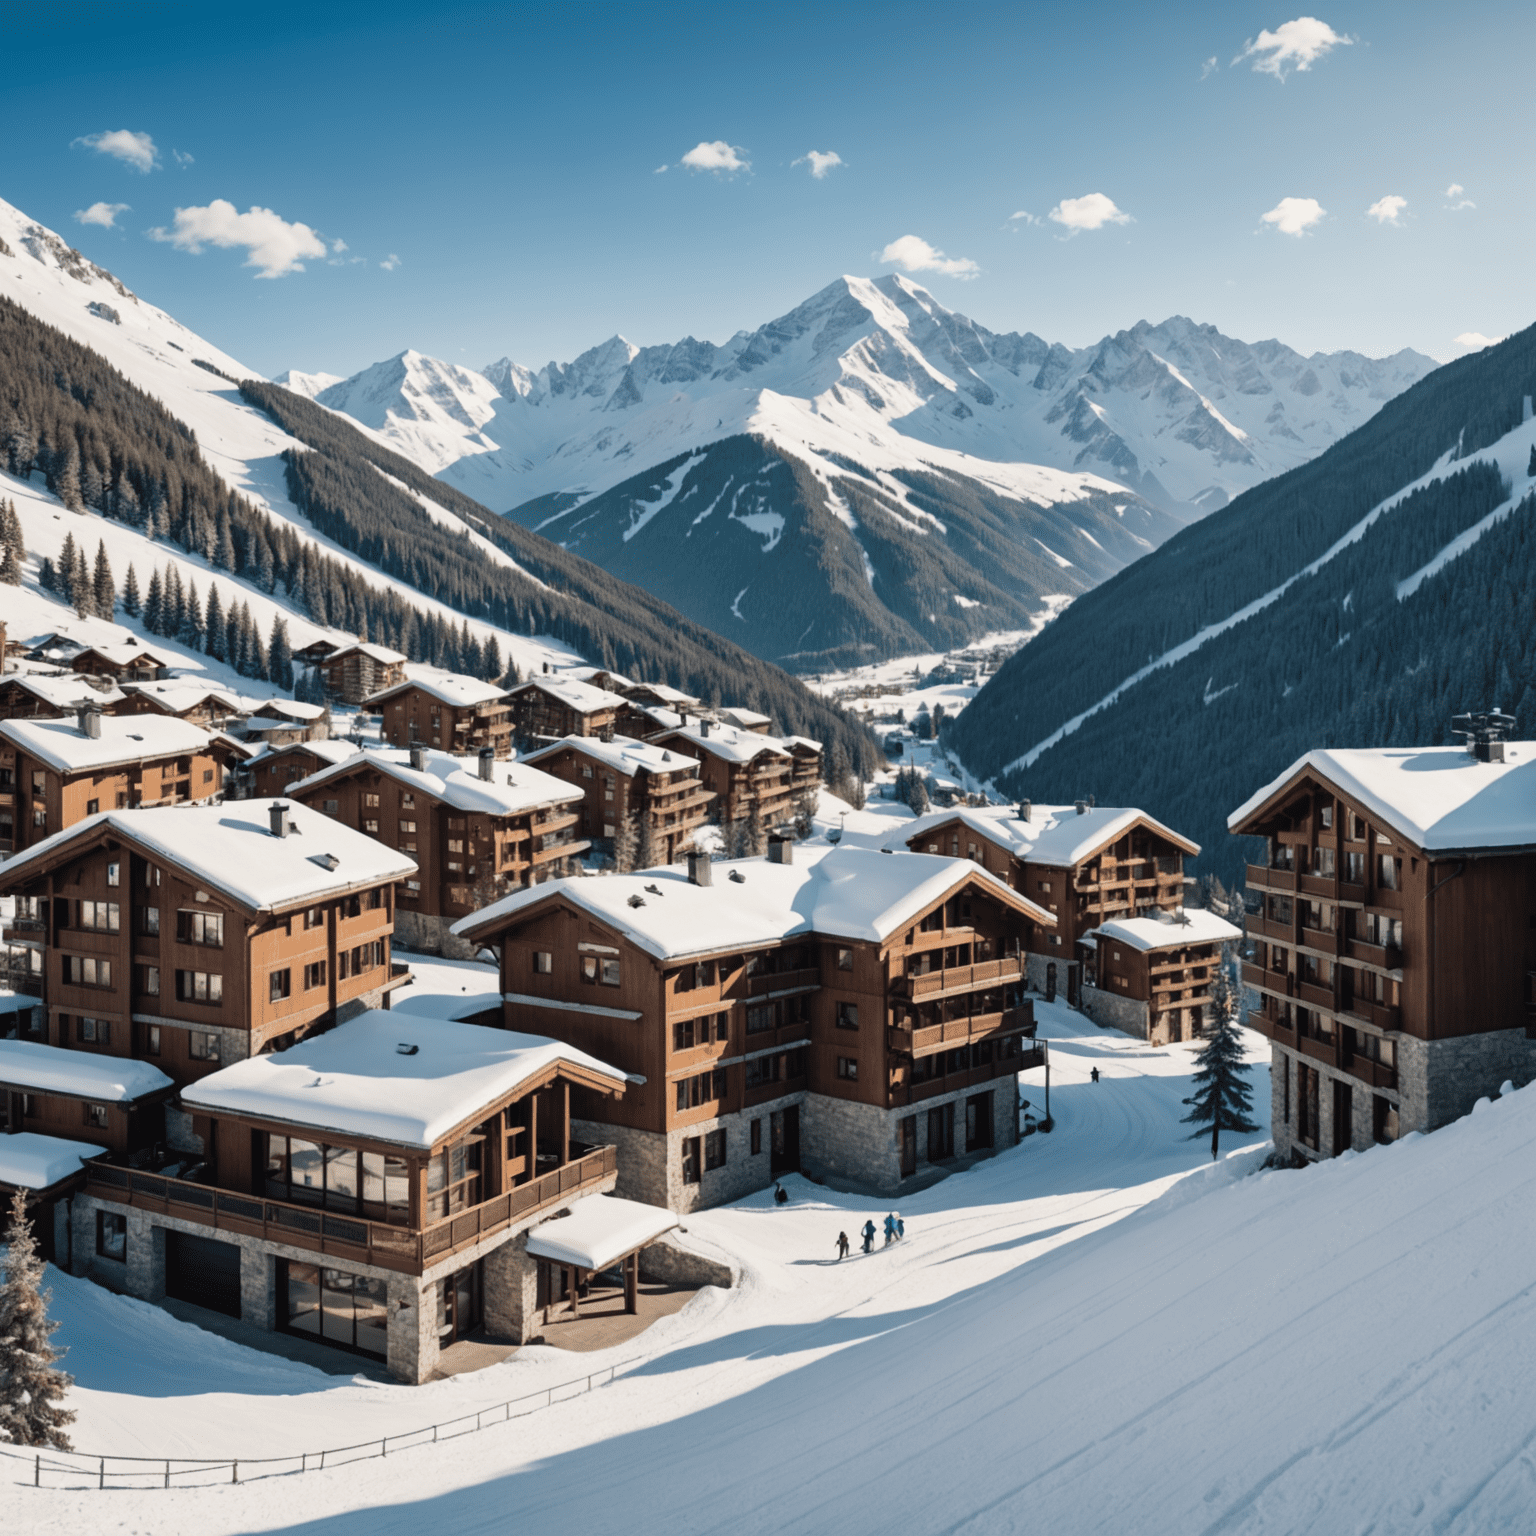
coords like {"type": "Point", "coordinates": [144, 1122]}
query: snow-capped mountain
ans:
{"type": "Point", "coordinates": [879, 371]}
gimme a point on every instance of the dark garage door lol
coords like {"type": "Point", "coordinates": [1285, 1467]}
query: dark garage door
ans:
{"type": "Point", "coordinates": [203, 1271]}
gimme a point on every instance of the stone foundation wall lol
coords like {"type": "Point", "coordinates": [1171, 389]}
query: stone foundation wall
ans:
{"type": "Point", "coordinates": [1111, 1011]}
{"type": "Point", "coordinates": [1440, 1080]}
{"type": "Point", "coordinates": [430, 935]}
{"type": "Point", "coordinates": [671, 1261]}
{"type": "Point", "coordinates": [511, 1292]}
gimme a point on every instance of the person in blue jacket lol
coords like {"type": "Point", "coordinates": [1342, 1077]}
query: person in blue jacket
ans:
{"type": "Point", "coordinates": [890, 1229]}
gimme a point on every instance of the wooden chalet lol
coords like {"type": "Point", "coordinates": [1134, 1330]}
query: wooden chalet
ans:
{"type": "Point", "coordinates": [1153, 976]}
{"type": "Point", "coordinates": [49, 696]}
{"type": "Point", "coordinates": [355, 672]}
{"type": "Point", "coordinates": [273, 769]}
{"type": "Point", "coordinates": [365, 1189]}
{"type": "Point", "coordinates": [446, 711]}
{"type": "Point", "coordinates": [857, 1013]}
{"type": "Point", "coordinates": [553, 706]}
{"type": "Point", "coordinates": [1391, 941]}
{"type": "Point", "coordinates": [212, 709]}
{"type": "Point", "coordinates": [658, 790]}
{"type": "Point", "coordinates": [200, 937]}
{"type": "Point", "coordinates": [745, 771]}
{"type": "Point", "coordinates": [476, 828]}
{"type": "Point", "coordinates": [122, 663]}
{"type": "Point", "coordinates": [1086, 864]}
{"type": "Point", "coordinates": [55, 772]}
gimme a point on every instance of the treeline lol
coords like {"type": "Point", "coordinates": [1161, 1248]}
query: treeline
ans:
{"type": "Point", "coordinates": [1225, 561]}
{"type": "Point", "coordinates": [339, 488]}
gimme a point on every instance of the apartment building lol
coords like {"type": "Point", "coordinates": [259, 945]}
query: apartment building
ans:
{"type": "Point", "coordinates": [53, 696]}
{"type": "Point", "coordinates": [211, 709]}
{"type": "Point", "coordinates": [859, 1014]}
{"type": "Point", "coordinates": [122, 663]}
{"type": "Point", "coordinates": [555, 705]}
{"type": "Point", "coordinates": [445, 710]}
{"type": "Point", "coordinates": [475, 827]}
{"type": "Point", "coordinates": [1394, 941]}
{"type": "Point", "coordinates": [357, 671]}
{"type": "Point", "coordinates": [658, 790]}
{"type": "Point", "coordinates": [745, 770]}
{"type": "Point", "coordinates": [270, 770]}
{"type": "Point", "coordinates": [1153, 976]}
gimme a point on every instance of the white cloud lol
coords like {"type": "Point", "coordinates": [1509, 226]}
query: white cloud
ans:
{"type": "Point", "coordinates": [1023, 217]}
{"type": "Point", "coordinates": [1385, 210]}
{"type": "Point", "coordinates": [1294, 45]}
{"type": "Point", "coordinates": [660, 169]}
{"type": "Point", "coordinates": [1295, 215]}
{"type": "Point", "coordinates": [913, 254]}
{"type": "Point", "coordinates": [819, 163]}
{"type": "Point", "coordinates": [133, 149]}
{"type": "Point", "coordinates": [181, 157]}
{"type": "Point", "coordinates": [1475, 341]}
{"type": "Point", "coordinates": [1209, 67]}
{"type": "Point", "coordinates": [390, 262]}
{"type": "Point", "coordinates": [272, 245]}
{"type": "Point", "coordinates": [1091, 212]}
{"type": "Point", "coordinates": [338, 246]}
{"type": "Point", "coordinates": [104, 214]}
{"type": "Point", "coordinates": [717, 156]}
{"type": "Point", "coordinates": [1457, 200]}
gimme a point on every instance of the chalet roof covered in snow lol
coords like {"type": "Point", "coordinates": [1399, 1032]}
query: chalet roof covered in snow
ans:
{"type": "Point", "coordinates": [284, 709]}
{"type": "Point", "coordinates": [854, 893]}
{"type": "Point", "coordinates": [61, 692]}
{"type": "Point", "coordinates": [78, 1074]}
{"type": "Point", "coordinates": [379, 653]}
{"type": "Point", "coordinates": [666, 694]}
{"type": "Point", "coordinates": [587, 674]}
{"type": "Point", "coordinates": [31, 1161]}
{"type": "Point", "coordinates": [1054, 834]}
{"type": "Point", "coordinates": [1441, 799]}
{"type": "Point", "coordinates": [623, 754]}
{"type": "Point", "coordinates": [1192, 926]}
{"type": "Point", "coordinates": [747, 719]}
{"type": "Point", "coordinates": [450, 687]}
{"type": "Point", "coordinates": [363, 1078]}
{"type": "Point", "coordinates": [582, 697]}
{"type": "Point", "coordinates": [599, 1231]}
{"type": "Point", "coordinates": [333, 749]}
{"type": "Point", "coordinates": [125, 655]}
{"type": "Point", "coordinates": [232, 848]}
{"type": "Point", "coordinates": [730, 742]}
{"type": "Point", "coordinates": [456, 781]}
{"type": "Point", "coordinates": [181, 693]}
{"type": "Point", "coordinates": [124, 739]}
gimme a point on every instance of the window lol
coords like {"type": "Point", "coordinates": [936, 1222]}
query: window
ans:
{"type": "Point", "coordinates": [691, 1160]}
{"type": "Point", "coordinates": [202, 1045]}
{"type": "Point", "coordinates": [1388, 871]}
{"type": "Point", "coordinates": [314, 975]}
{"type": "Point", "coordinates": [704, 974]}
{"type": "Point", "coordinates": [1354, 868]}
{"type": "Point", "coordinates": [96, 1117]}
{"type": "Point", "coordinates": [408, 800]}
{"type": "Point", "coordinates": [330, 807]}
{"type": "Point", "coordinates": [609, 975]}
{"type": "Point", "coordinates": [149, 921]}
{"type": "Point", "coordinates": [455, 845]}
{"type": "Point", "coordinates": [932, 923]}
{"type": "Point", "coordinates": [112, 1235]}
{"type": "Point", "coordinates": [1325, 817]}
{"type": "Point", "coordinates": [348, 1311]}
{"type": "Point", "coordinates": [757, 1138]}
{"type": "Point", "coordinates": [207, 775]}
{"type": "Point", "coordinates": [453, 1179]}
{"type": "Point", "coordinates": [279, 985]}
{"type": "Point", "coordinates": [152, 1040]}
{"type": "Point", "coordinates": [113, 874]}
{"type": "Point", "coordinates": [371, 826]}
{"type": "Point", "coordinates": [407, 826]}
{"type": "Point", "coordinates": [93, 1031]}
{"type": "Point", "coordinates": [543, 962]}
{"type": "Point", "coordinates": [1045, 885]}
{"type": "Point", "coordinates": [703, 1088]}
{"type": "Point", "coordinates": [759, 1017]}
{"type": "Point", "coordinates": [714, 1149]}
{"type": "Point", "coordinates": [1322, 862]}
{"type": "Point", "coordinates": [848, 1068]}
{"type": "Point", "coordinates": [101, 916]}
{"type": "Point", "coordinates": [87, 971]}
{"type": "Point", "coordinates": [92, 807]}
{"type": "Point", "coordinates": [196, 927]}
{"type": "Point", "coordinates": [847, 1015]}
{"type": "Point", "coordinates": [586, 770]}
{"type": "Point", "coordinates": [199, 987]}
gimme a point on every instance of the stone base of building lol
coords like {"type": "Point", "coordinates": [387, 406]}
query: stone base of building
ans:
{"type": "Point", "coordinates": [839, 1139]}
{"type": "Point", "coordinates": [430, 935]}
{"type": "Point", "coordinates": [508, 1279]}
{"type": "Point", "coordinates": [1437, 1081]}
{"type": "Point", "coordinates": [1111, 1011]}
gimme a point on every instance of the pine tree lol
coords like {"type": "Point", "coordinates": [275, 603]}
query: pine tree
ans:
{"type": "Point", "coordinates": [213, 626]}
{"type": "Point", "coordinates": [190, 630]}
{"type": "Point", "coordinates": [805, 812]}
{"type": "Point", "coordinates": [1530, 468]}
{"type": "Point", "coordinates": [14, 537]}
{"type": "Point", "coordinates": [626, 844]}
{"type": "Point", "coordinates": [154, 603]}
{"type": "Point", "coordinates": [1223, 1098]}
{"type": "Point", "coordinates": [66, 483]}
{"type": "Point", "coordinates": [93, 489]}
{"type": "Point", "coordinates": [103, 587]}
{"type": "Point", "coordinates": [47, 576]}
{"type": "Point", "coordinates": [175, 600]}
{"type": "Point", "coordinates": [83, 596]}
{"type": "Point", "coordinates": [66, 587]}
{"type": "Point", "coordinates": [10, 572]}
{"type": "Point", "coordinates": [493, 667]}
{"type": "Point", "coordinates": [30, 1384]}
{"type": "Point", "coordinates": [131, 602]}
{"type": "Point", "coordinates": [280, 654]}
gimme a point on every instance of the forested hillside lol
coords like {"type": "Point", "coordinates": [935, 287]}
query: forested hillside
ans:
{"type": "Point", "coordinates": [1364, 646]}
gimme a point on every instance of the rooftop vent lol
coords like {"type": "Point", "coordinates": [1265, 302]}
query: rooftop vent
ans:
{"type": "Point", "coordinates": [488, 764]}
{"type": "Point", "coordinates": [406, 1050]}
{"type": "Point", "coordinates": [1081, 807]}
{"type": "Point", "coordinates": [1024, 809]}
{"type": "Point", "coordinates": [324, 860]}
{"type": "Point", "coordinates": [90, 720]}
{"type": "Point", "coordinates": [1484, 734]}
{"type": "Point", "coordinates": [737, 877]}
{"type": "Point", "coordinates": [781, 850]}
{"type": "Point", "coordinates": [704, 728]}
{"type": "Point", "coordinates": [655, 890]}
{"type": "Point", "coordinates": [278, 812]}
{"type": "Point", "coordinates": [700, 870]}
{"type": "Point", "coordinates": [637, 901]}
{"type": "Point", "coordinates": [666, 757]}
{"type": "Point", "coordinates": [418, 757]}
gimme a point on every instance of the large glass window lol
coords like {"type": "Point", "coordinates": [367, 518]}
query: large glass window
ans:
{"type": "Point", "coordinates": [194, 927]}
{"type": "Point", "coordinates": [102, 916]}
{"type": "Point", "coordinates": [453, 1179]}
{"type": "Point", "coordinates": [368, 1184]}
{"type": "Point", "coordinates": [344, 1309]}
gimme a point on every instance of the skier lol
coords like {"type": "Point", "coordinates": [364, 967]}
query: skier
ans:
{"type": "Point", "coordinates": [780, 1194]}
{"type": "Point", "coordinates": [901, 1227]}
{"type": "Point", "coordinates": [868, 1234]}
{"type": "Point", "coordinates": [1094, 1074]}
{"type": "Point", "coordinates": [842, 1246]}
{"type": "Point", "coordinates": [890, 1229]}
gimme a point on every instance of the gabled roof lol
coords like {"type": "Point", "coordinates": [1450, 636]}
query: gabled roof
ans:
{"type": "Point", "coordinates": [582, 697]}
{"type": "Point", "coordinates": [1193, 926]}
{"type": "Point", "coordinates": [664, 694]}
{"type": "Point", "coordinates": [231, 848]}
{"type": "Point", "coordinates": [450, 687]}
{"type": "Point", "coordinates": [355, 1079]}
{"type": "Point", "coordinates": [61, 692]}
{"type": "Point", "coordinates": [746, 718]}
{"type": "Point", "coordinates": [1440, 799]}
{"type": "Point", "coordinates": [124, 655]}
{"type": "Point", "coordinates": [623, 754]}
{"type": "Point", "coordinates": [587, 674]}
{"type": "Point", "coordinates": [1055, 835]}
{"type": "Point", "coordinates": [804, 742]}
{"type": "Point", "coordinates": [379, 653]}
{"type": "Point", "coordinates": [331, 749]}
{"type": "Point", "coordinates": [729, 742]}
{"type": "Point", "coordinates": [285, 709]}
{"type": "Point", "coordinates": [853, 893]}
{"type": "Point", "coordinates": [124, 739]}
{"type": "Point", "coordinates": [454, 780]}
{"type": "Point", "coordinates": [78, 1074]}
{"type": "Point", "coordinates": [598, 1232]}
{"type": "Point", "coordinates": [182, 693]}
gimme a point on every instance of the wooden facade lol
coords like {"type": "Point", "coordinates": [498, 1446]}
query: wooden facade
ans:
{"type": "Point", "coordinates": [33, 696]}
{"type": "Point", "coordinates": [414, 712]}
{"type": "Point", "coordinates": [742, 775]}
{"type": "Point", "coordinates": [1173, 982]}
{"type": "Point", "coordinates": [355, 672]}
{"type": "Point", "coordinates": [210, 710]}
{"type": "Point", "coordinates": [120, 662]}
{"type": "Point", "coordinates": [549, 708]}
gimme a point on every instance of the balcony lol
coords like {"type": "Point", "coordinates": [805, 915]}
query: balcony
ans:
{"type": "Point", "coordinates": [1314, 995]}
{"type": "Point", "coordinates": [1386, 957]}
{"type": "Point", "coordinates": [1263, 878]}
{"type": "Point", "coordinates": [930, 1039]}
{"type": "Point", "coordinates": [775, 983]}
{"type": "Point", "coordinates": [406, 1249]}
{"type": "Point", "coordinates": [1375, 1074]}
{"type": "Point", "coordinates": [973, 1077]}
{"type": "Point", "coordinates": [1316, 885]}
{"type": "Point", "coordinates": [1351, 894]}
{"type": "Point", "coordinates": [1324, 939]}
{"type": "Point", "coordinates": [1382, 1015]}
{"type": "Point", "coordinates": [959, 978]}
{"type": "Point", "coordinates": [1319, 1050]}
{"type": "Point", "coordinates": [1267, 928]}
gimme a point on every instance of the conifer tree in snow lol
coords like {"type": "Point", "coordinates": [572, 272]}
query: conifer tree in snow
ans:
{"type": "Point", "coordinates": [224, 543]}
{"type": "Point", "coordinates": [1530, 468]}
{"type": "Point", "coordinates": [154, 603]}
{"type": "Point", "coordinates": [190, 630]}
{"type": "Point", "coordinates": [132, 605]}
{"type": "Point", "coordinates": [493, 668]}
{"type": "Point", "coordinates": [66, 483]}
{"type": "Point", "coordinates": [48, 576]}
{"type": "Point", "coordinates": [805, 811]}
{"type": "Point", "coordinates": [66, 587]}
{"type": "Point", "coordinates": [30, 1384]}
{"type": "Point", "coordinates": [280, 654]}
{"type": "Point", "coordinates": [213, 625]}
{"type": "Point", "coordinates": [14, 538]}
{"type": "Point", "coordinates": [175, 601]}
{"type": "Point", "coordinates": [1223, 1097]}
{"type": "Point", "coordinates": [80, 586]}
{"type": "Point", "coordinates": [10, 572]}
{"type": "Point", "coordinates": [103, 587]}
{"type": "Point", "coordinates": [626, 844]}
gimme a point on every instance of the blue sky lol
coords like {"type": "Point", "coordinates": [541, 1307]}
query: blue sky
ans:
{"type": "Point", "coordinates": [493, 172]}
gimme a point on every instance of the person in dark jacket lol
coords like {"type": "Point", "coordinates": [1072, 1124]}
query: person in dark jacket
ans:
{"type": "Point", "coordinates": [780, 1195]}
{"type": "Point", "coordinates": [1094, 1074]}
{"type": "Point", "coordinates": [842, 1246]}
{"type": "Point", "coordinates": [868, 1234]}
{"type": "Point", "coordinates": [901, 1227]}
{"type": "Point", "coordinates": [890, 1229]}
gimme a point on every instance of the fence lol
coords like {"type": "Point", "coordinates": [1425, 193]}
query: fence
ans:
{"type": "Point", "coordinates": [78, 1469]}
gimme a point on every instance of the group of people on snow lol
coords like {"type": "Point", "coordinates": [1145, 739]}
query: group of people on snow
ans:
{"type": "Point", "coordinates": [895, 1228]}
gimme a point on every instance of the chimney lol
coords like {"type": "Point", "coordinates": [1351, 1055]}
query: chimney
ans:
{"type": "Point", "coordinates": [1082, 807]}
{"type": "Point", "coordinates": [700, 870]}
{"type": "Point", "coordinates": [781, 849]}
{"type": "Point", "coordinates": [279, 815]}
{"type": "Point", "coordinates": [704, 728]}
{"type": "Point", "coordinates": [546, 667]}
{"type": "Point", "coordinates": [488, 764]}
{"type": "Point", "coordinates": [90, 720]}
{"type": "Point", "coordinates": [418, 757]}
{"type": "Point", "coordinates": [1024, 810]}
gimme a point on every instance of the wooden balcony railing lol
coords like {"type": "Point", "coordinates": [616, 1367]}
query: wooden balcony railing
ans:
{"type": "Point", "coordinates": [1320, 1050]}
{"type": "Point", "coordinates": [1387, 956]}
{"type": "Point", "coordinates": [972, 1077]}
{"type": "Point", "coordinates": [1376, 1073]}
{"type": "Point", "coordinates": [960, 978]}
{"type": "Point", "coordinates": [766, 983]}
{"type": "Point", "coordinates": [407, 1249]}
{"type": "Point", "coordinates": [1315, 995]}
{"type": "Point", "coordinates": [930, 1039]}
{"type": "Point", "coordinates": [1316, 885]}
{"type": "Point", "coordinates": [1264, 878]}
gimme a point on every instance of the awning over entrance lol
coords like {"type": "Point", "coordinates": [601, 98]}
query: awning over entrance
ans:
{"type": "Point", "coordinates": [600, 1231]}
